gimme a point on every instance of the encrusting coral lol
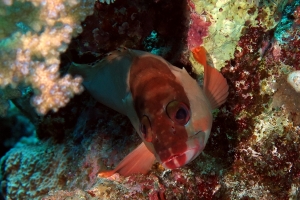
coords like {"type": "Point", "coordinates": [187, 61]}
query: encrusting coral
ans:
{"type": "Point", "coordinates": [228, 20]}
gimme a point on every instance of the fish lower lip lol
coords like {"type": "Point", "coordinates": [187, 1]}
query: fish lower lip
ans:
{"type": "Point", "coordinates": [178, 155]}
{"type": "Point", "coordinates": [175, 161]}
{"type": "Point", "coordinates": [174, 156]}
{"type": "Point", "coordinates": [179, 160]}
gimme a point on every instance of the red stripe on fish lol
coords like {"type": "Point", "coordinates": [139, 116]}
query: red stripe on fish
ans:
{"type": "Point", "coordinates": [153, 87]}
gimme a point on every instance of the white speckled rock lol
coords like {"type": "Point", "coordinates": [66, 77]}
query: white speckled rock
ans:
{"type": "Point", "coordinates": [294, 80]}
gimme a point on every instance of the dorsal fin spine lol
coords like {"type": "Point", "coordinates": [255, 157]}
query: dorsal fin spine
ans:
{"type": "Point", "coordinates": [215, 85]}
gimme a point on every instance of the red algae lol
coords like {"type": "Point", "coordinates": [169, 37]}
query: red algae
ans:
{"type": "Point", "coordinates": [244, 75]}
{"type": "Point", "coordinates": [198, 28]}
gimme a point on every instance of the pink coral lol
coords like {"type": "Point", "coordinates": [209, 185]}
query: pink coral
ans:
{"type": "Point", "coordinates": [296, 15]}
{"type": "Point", "coordinates": [197, 31]}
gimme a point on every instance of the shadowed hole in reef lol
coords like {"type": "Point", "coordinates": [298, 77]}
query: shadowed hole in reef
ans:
{"type": "Point", "coordinates": [104, 31]}
{"type": "Point", "coordinates": [12, 128]}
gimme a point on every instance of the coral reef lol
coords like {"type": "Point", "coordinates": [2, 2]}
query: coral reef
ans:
{"type": "Point", "coordinates": [253, 150]}
{"type": "Point", "coordinates": [72, 164]}
{"type": "Point", "coordinates": [294, 80]}
{"type": "Point", "coordinates": [265, 117]}
{"type": "Point", "coordinates": [228, 20]}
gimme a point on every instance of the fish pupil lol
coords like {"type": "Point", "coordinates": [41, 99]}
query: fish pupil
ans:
{"type": "Point", "coordinates": [181, 114]}
{"type": "Point", "coordinates": [143, 129]}
{"type": "Point", "coordinates": [178, 112]}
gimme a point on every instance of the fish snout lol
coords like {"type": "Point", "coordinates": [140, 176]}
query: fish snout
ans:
{"type": "Point", "coordinates": [179, 160]}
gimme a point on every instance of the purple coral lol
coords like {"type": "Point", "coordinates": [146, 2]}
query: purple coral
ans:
{"type": "Point", "coordinates": [197, 31]}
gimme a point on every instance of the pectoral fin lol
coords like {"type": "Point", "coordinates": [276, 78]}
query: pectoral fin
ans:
{"type": "Point", "coordinates": [140, 160]}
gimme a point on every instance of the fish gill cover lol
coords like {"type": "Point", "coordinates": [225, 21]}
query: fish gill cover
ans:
{"type": "Point", "coordinates": [253, 150]}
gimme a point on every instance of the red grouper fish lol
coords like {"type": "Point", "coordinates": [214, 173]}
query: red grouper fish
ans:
{"type": "Point", "coordinates": [167, 107]}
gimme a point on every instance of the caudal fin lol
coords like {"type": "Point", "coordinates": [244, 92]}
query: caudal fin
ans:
{"type": "Point", "coordinates": [215, 85]}
{"type": "Point", "coordinates": [140, 160]}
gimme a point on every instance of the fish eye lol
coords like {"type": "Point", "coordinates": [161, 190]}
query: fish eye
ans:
{"type": "Point", "coordinates": [178, 112]}
{"type": "Point", "coordinates": [145, 128]}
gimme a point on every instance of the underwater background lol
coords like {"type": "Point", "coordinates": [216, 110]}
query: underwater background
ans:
{"type": "Point", "coordinates": [55, 138]}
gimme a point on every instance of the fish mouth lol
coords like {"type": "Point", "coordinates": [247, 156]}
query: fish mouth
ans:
{"type": "Point", "coordinates": [195, 146]}
{"type": "Point", "coordinates": [179, 160]}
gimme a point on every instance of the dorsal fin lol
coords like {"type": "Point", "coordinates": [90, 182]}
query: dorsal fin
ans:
{"type": "Point", "coordinates": [215, 85]}
{"type": "Point", "coordinates": [140, 160]}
